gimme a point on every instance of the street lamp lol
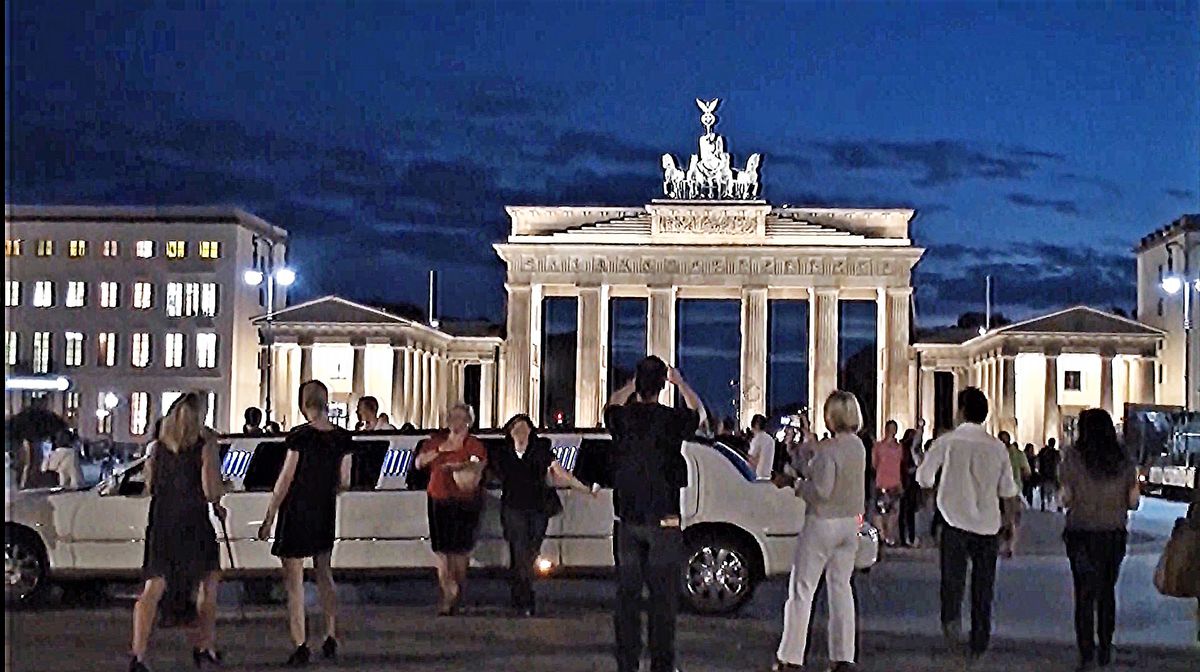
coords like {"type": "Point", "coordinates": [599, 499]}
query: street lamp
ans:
{"type": "Point", "coordinates": [283, 277]}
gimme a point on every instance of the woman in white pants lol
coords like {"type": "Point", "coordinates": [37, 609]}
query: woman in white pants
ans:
{"type": "Point", "coordinates": [831, 483]}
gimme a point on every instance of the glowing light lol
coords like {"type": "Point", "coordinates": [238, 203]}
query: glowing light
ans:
{"type": "Point", "coordinates": [544, 565]}
{"type": "Point", "coordinates": [252, 277]}
{"type": "Point", "coordinates": [1172, 284]}
{"type": "Point", "coordinates": [111, 400]}
{"type": "Point", "coordinates": [58, 384]}
{"type": "Point", "coordinates": [982, 331]}
{"type": "Point", "coordinates": [285, 276]}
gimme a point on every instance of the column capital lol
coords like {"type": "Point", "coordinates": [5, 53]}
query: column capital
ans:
{"type": "Point", "coordinates": [518, 286]}
{"type": "Point", "coordinates": [898, 291]}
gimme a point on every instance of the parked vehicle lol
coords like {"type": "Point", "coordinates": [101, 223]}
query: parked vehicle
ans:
{"type": "Point", "coordinates": [738, 530]}
{"type": "Point", "coordinates": [1165, 441]}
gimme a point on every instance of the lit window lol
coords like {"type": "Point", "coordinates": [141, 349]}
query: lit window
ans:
{"type": "Point", "coordinates": [191, 299]}
{"type": "Point", "coordinates": [45, 248]}
{"type": "Point", "coordinates": [13, 247]}
{"type": "Point", "coordinates": [104, 414]}
{"type": "Point", "coordinates": [206, 350]}
{"type": "Point", "coordinates": [169, 397]}
{"type": "Point", "coordinates": [12, 293]}
{"type": "Point", "coordinates": [106, 349]}
{"type": "Point", "coordinates": [174, 299]}
{"type": "Point", "coordinates": [76, 294]}
{"type": "Point", "coordinates": [210, 249]}
{"type": "Point", "coordinates": [1073, 381]}
{"type": "Point", "coordinates": [71, 408]}
{"type": "Point", "coordinates": [41, 351]}
{"type": "Point", "coordinates": [112, 248]}
{"type": "Point", "coordinates": [43, 294]}
{"type": "Point", "coordinates": [12, 341]}
{"type": "Point", "coordinates": [139, 413]}
{"type": "Point", "coordinates": [143, 295]}
{"type": "Point", "coordinates": [208, 299]}
{"type": "Point", "coordinates": [144, 249]}
{"type": "Point", "coordinates": [139, 356]}
{"type": "Point", "coordinates": [176, 249]}
{"type": "Point", "coordinates": [110, 294]}
{"type": "Point", "coordinates": [77, 248]}
{"type": "Point", "coordinates": [174, 352]}
{"type": "Point", "coordinates": [210, 418]}
{"type": "Point", "coordinates": [74, 353]}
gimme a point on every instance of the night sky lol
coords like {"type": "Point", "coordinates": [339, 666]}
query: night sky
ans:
{"type": "Point", "coordinates": [1038, 144]}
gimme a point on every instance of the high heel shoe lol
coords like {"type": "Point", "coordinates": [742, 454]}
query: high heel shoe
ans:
{"type": "Point", "coordinates": [300, 657]}
{"type": "Point", "coordinates": [204, 657]}
{"type": "Point", "coordinates": [329, 648]}
{"type": "Point", "coordinates": [137, 665]}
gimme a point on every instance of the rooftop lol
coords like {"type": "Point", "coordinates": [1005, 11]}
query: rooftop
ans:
{"type": "Point", "coordinates": [142, 214]}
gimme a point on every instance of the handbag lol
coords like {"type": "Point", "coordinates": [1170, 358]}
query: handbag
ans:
{"type": "Point", "coordinates": [1178, 571]}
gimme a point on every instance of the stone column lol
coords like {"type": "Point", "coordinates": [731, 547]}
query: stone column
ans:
{"type": "Point", "coordinates": [487, 394]}
{"type": "Point", "coordinates": [660, 330]}
{"type": "Point", "coordinates": [1147, 380]}
{"type": "Point", "coordinates": [896, 375]}
{"type": "Point", "coordinates": [399, 376]}
{"type": "Point", "coordinates": [514, 368]}
{"type": "Point", "coordinates": [754, 354]}
{"type": "Point", "coordinates": [1106, 382]}
{"type": "Point", "coordinates": [822, 351]}
{"type": "Point", "coordinates": [358, 374]}
{"type": "Point", "coordinates": [437, 388]}
{"type": "Point", "coordinates": [592, 334]}
{"type": "Point", "coordinates": [1008, 394]}
{"type": "Point", "coordinates": [264, 380]}
{"type": "Point", "coordinates": [929, 399]}
{"type": "Point", "coordinates": [412, 386]}
{"type": "Point", "coordinates": [306, 362]}
{"type": "Point", "coordinates": [958, 375]}
{"type": "Point", "coordinates": [425, 400]}
{"type": "Point", "coordinates": [1051, 416]}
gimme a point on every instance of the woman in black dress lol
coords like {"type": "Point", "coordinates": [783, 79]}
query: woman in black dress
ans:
{"type": "Point", "coordinates": [316, 469]}
{"type": "Point", "coordinates": [529, 471]}
{"type": "Point", "coordinates": [181, 559]}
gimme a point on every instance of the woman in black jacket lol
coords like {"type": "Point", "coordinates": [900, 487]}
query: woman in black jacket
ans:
{"type": "Point", "coordinates": [529, 472]}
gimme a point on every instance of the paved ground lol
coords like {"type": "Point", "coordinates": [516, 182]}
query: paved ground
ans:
{"type": "Point", "coordinates": [388, 626]}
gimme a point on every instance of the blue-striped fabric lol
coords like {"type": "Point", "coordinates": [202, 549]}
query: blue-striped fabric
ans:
{"type": "Point", "coordinates": [396, 463]}
{"type": "Point", "coordinates": [235, 463]}
{"type": "Point", "coordinates": [566, 456]}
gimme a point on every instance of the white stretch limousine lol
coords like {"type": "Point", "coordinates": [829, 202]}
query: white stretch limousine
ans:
{"type": "Point", "coordinates": [738, 530]}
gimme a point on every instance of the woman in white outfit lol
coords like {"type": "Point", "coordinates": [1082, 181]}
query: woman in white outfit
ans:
{"type": "Point", "coordinates": [831, 484]}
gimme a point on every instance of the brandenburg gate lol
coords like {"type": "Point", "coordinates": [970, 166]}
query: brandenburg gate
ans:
{"type": "Point", "coordinates": [709, 237]}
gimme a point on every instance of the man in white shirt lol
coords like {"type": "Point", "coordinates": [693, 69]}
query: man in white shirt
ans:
{"type": "Point", "coordinates": [64, 461]}
{"type": "Point", "coordinates": [368, 415]}
{"type": "Point", "coordinates": [976, 480]}
{"type": "Point", "coordinates": [762, 448]}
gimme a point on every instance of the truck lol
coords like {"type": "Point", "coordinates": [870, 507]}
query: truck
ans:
{"type": "Point", "coordinates": [1165, 442]}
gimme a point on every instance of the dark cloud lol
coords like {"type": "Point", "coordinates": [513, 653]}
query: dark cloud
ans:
{"type": "Point", "coordinates": [1107, 187]}
{"type": "Point", "coordinates": [937, 162]}
{"type": "Point", "coordinates": [1182, 194]}
{"type": "Point", "coordinates": [1061, 206]}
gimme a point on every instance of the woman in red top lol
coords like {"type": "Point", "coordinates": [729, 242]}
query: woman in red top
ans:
{"type": "Point", "coordinates": [455, 461]}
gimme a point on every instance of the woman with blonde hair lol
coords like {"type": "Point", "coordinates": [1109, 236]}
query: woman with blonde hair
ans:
{"type": "Point", "coordinates": [316, 469]}
{"type": "Point", "coordinates": [455, 460]}
{"type": "Point", "coordinates": [831, 484]}
{"type": "Point", "coordinates": [181, 560]}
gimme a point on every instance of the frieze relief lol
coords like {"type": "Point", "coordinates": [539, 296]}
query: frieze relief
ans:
{"type": "Point", "coordinates": [708, 223]}
{"type": "Point", "coordinates": [732, 265]}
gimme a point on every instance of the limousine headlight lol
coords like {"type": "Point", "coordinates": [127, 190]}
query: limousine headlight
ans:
{"type": "Point", "coordinates": [543, 565]}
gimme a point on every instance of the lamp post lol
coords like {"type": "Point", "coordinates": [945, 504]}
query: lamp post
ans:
{"type": "Point", "coordinates": [284, 277]}
{"type": "Point", "coordinates": [1174, 283]}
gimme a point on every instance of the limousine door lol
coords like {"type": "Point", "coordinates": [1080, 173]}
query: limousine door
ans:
{"type": "Point", "coordinates": [587, 521]}
{"type": "Point", "coordinates": [251, 481]}
{"type": "Point", "coordinates": [108, 531]}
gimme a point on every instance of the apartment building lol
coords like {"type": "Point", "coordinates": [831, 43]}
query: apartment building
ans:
{"type": "Point", "coordinates": [1172, 254]}
{"type": "Point", "coordinates": [113, 312]}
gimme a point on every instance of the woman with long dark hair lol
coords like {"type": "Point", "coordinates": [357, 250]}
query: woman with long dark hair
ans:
{"type": "Point", "coordinates": [182, 560]}
{"type": "Point", "coordinates": [1099, 488]}
{"type": "Point", "coordinates": [529, 472]}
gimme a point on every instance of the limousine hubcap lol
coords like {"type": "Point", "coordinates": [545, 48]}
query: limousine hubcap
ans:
{"type": "Point", "coordinates": [717, 577]}
{"type": "Point", "coordinates": [21, 570]}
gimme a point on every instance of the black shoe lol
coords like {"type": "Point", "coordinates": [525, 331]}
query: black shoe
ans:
{"type": "Point", "coordinates": [1105, 656]}
{"type": "Point", "coordinates": [204, 657]}
{"type": "Point", "coordinates": [299, 657]}
{"type": "Point", "coordinates": [952, 634]}
{"type": "Point", "coordinates": [329, 648]}
{"type": "Point", "coordinates": [781, 666]}
{"type": "Point", "coordinates": [841, 666]}
{"type": "Point", "coordinates": [136, 665]}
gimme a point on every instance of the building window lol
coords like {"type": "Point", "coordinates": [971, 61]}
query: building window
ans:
{"type": "Point", "coordinates": [183, 299]}
{"type": "Point", "coordinates": [13, 247]}
{"type": "Point", "coordinates": [191, 299]}
{"type": "Point", "coordinates": [139, 413]}
{"type": "Point", "coordinates": [206, 350]}
{"type": "Point", "coordinates": [76, 294]}
{"type": "Point", "coordinates": [71, 408]}
{"type": "Point", "coordinates": [106, 349]}
{"type": "Point", "coordinates": [174, 351]}
{"type": "Point", "coordinates": [174, 299]}
{"type": "Point", "coordinates": [12, 293]}
{"type": "Point", "coordinates": [112, 248]}
{"type": "Point", "coordinates": [210, 418]}
{"type": "Point", "coordinates": [140, 353]}
{"type": "Point", "coordinates": [41, 352]}
{"type": "Point", "coordinates": [104, 412]}
{"type": "Point", "coordinates": [210, 249]}
{"type": "Point", "coordinates": [169, 397]}
{"type": "Point", "coordinates": [45, 248]}
{"type": "Point", "coordinates": [1073, 381]}
{"type": "Point", "coordinates": [43, 294]}
{"type": "Point", "coordinates": [77, 249]}
{"type": "Point", "coordinates": [176, 249]}
{"type": "Point", "coordinates": [144, 249]}
{"type": "Point", "coordinates": [208, 299]}
{"type": "Point", "coordinates": [74, 353]}
{"type": "Point", "coordinates": [143, 295]}
{"type": "Point", "coordinates": [12, 342]}
{"type": "Point", "coordinates": [110, 294]}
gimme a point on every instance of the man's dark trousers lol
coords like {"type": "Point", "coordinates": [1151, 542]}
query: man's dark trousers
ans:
{"type": "Point", "coordinates": [957, 547]}
{"type": "Point", "coordinates": [649, 556]}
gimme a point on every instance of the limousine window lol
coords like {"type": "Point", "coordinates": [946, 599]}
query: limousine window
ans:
{"type": "Point", "coordinates": [366, 462]}
{"type": "Point", "coordinates": [264, 467]}
{"type": "Point", "coordinates": [593, 462]}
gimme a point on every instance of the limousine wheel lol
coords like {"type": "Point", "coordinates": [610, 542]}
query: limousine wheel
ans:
{"type": "Point", "coordinates": [24, 567]}
{"type": "Point", "coordinates": [718, 575]}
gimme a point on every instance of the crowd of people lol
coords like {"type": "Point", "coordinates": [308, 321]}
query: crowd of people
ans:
{"type": "Point", "coordinates": [962, 491]}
